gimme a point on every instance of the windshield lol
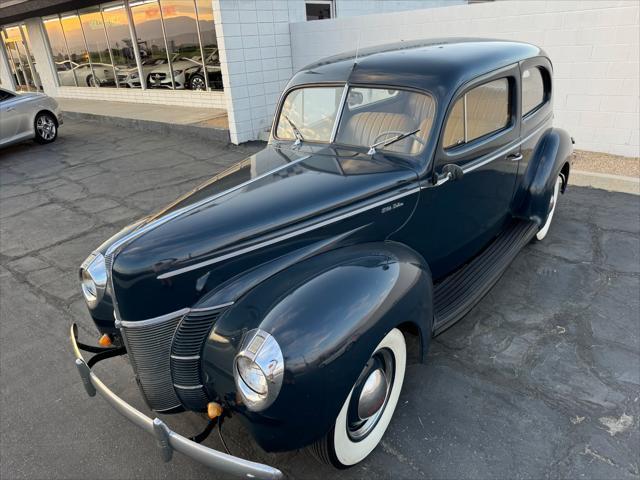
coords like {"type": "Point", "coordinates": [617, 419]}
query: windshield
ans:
{"type": "Point", "coordinates": [388, 119]}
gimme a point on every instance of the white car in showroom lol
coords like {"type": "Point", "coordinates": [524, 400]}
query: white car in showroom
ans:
{"type": "Point", "coordinates": [26, 116]}
{"type": "Point", "coordinates": [102, 74]}
{"type": "Point", "coordinates": [187, 72]}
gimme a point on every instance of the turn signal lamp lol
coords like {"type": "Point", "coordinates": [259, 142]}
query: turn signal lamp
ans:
{"type": "Point", "coordinates": [105, 340]}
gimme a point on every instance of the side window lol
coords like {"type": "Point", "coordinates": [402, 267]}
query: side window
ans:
{"type": "Point", "coordinates": [533, 91]}
{"type": "Point", "coordinates": [4, 95]}
{"type": "Point", "coordinates": [481, 111]}
{"type": "Point", "coordinates": [359, 97]}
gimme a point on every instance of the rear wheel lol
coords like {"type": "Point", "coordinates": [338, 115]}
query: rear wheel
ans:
{"type": "Point", "coordinates": [46, 128]}
{"type": "Point", "coordinates": [367, 411]}
{"type": "Point", "coordinates": [542, 233]}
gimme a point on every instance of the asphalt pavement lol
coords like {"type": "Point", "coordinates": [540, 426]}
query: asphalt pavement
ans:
{"type": "Point", "coordinates": [540, 380]}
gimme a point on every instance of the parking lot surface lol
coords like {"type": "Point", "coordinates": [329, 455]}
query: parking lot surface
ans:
{"type": "Point", "coordinates": [540, 380]}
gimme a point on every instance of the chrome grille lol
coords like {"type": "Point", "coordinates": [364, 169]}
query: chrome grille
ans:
{"type": "Point", "coordinates": [185, 357]}
{"type": "Point", "coordinates": [149, 346]}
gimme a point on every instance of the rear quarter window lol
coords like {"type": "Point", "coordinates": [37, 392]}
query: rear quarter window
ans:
{"type": "Point", "coordinates": [534, 92]}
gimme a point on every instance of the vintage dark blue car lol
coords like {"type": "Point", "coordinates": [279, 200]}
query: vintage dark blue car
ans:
{"type": "Point", "coordinates": [398, 185]}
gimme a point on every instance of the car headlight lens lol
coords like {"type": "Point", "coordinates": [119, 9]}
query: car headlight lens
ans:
{"type": "Point", "coordinates": [93, 279]}
{"type": "Point", "coordinates": [177, 72]}
{"type": "Point", "coordinates": [133, 76]}
{"type": "Point", "coordinates": [259, 370]}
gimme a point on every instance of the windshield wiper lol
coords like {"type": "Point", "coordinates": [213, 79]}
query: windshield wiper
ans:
{"type": "Point", "coordinates": [296, 131]}
{"type": "Point", "coordinates": [384, 143]}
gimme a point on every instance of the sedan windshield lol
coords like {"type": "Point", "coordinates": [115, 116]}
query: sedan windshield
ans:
{"type": "Point", "coordinates": [373, 118]}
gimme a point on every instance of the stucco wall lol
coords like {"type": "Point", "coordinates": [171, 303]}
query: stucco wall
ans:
{"type": "Point", "coordinates": [352, 8]}
{"type": "Point", "coordinates": [594, 46]}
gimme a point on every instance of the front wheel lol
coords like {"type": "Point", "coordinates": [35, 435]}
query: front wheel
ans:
{"type": "Point", "coordinates": [368, 409]}
{"type": "Point", "coordinates": [196, 82]}
{"type": "Point", "coordinates": [542, 233]}
{"type": "Point", "coordinates": [46, 128]}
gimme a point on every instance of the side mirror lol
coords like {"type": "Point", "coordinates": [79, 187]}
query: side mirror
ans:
{"type": "Point", "coordinates": [450, 171]}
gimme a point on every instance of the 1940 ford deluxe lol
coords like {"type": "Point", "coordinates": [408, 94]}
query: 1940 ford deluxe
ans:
{"type": "Point", "coordinates": [398, 185]}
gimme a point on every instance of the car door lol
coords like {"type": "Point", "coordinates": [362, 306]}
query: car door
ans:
{"type": "Point", "coordinates": [480, 139]}
{"type": "Point", "coordinates": [9, 118]}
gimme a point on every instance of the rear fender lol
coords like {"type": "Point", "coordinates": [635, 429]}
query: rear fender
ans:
{"type": "Point", "coordinates": [551, 157]}
{"type": "Point", "coordinates": [327, 314]}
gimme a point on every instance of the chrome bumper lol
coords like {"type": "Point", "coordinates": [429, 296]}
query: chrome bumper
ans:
{"type": "Point", "coordinates": [168, 440]}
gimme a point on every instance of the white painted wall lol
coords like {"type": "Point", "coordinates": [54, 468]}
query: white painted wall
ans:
{"type": "Point", "coordinates": [594, 46]}
{"type": "Point", "coordinates": [6, 80]}
{"type": "Point", "coordinates": [352, 8]}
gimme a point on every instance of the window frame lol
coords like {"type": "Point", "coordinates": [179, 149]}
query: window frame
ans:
{"type": "Point", "coordinates": [546, 89]}
{"type": "Point", "coordinates": [332, 8]}
{"type": "Point", "coordinates": [343, 104]}
{"type": "Point", "coordinates": [511, 107]}
{"type": "Point", "coordinates": [276, 120]}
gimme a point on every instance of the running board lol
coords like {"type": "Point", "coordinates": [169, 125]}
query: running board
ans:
{"type": "Point", "coordinates": [456, 294]}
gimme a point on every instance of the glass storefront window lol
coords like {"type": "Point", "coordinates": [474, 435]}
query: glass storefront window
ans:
{"type": "Point", "coordinates": [151, 43]}
{"type": "Point", "coordinates": [59, 50]}
{"type": "Point", "coordinates": [99, 55]}
{"type": "Point", "coordinates": [209, 46]}
{"type": "Point", "coordinates": [80, 63]}
{"type": "Point", "coordinates": [21, 61]}
{"type": "Point", "coordinates": [181, 29]}
{"type": "Point", "coordinates": [118, 34]}
{"type": "Point", "coordinates": [176, 42]}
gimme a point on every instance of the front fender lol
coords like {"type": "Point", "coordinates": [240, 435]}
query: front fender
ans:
{"type": "Point", "coordinates": [327, 313]}
{"type": "Point", "coordinates": [551, 157]}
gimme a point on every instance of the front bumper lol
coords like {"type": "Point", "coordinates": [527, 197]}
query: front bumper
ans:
{"type": "Point", "coordinates": [168, 440]}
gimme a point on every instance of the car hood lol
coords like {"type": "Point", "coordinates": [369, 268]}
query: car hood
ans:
{"type": "Point", "coordinates": [179, 65]}
{"type": "Point", "coordinates": [252, 212]}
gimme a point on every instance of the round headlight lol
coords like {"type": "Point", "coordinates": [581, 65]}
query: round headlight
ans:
{"type": "Point", "coordinates": [259, 370]}
{"type": "Point", "coordinates": [93, 279]}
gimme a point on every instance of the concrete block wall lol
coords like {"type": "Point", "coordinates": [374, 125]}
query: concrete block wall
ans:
{"type": "Point", "coordinates": [255, 56]}
{"type": "Point", "coordinates": [594, 46]}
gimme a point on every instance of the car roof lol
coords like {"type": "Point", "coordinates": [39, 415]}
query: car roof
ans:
{"type": "Point", "coordinates": [437, 65]}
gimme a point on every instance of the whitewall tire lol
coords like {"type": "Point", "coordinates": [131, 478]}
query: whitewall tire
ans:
{"type": "Point", "coordinates": [349, 442]}
{"type": "Point", "coordinates": [542, 233]}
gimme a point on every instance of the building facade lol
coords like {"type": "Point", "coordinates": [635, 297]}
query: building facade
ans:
{"type": "Point", "coordinates": [238, 55]}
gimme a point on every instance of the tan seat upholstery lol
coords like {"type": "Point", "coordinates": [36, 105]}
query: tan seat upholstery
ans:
{"type": "Point", "coordinates": [366, 128]}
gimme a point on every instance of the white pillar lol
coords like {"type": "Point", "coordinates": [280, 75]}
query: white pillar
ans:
{"type": "Point", "coordinates": [6, 77]}
{"type": "Point", "coordinates": [255, 58]}
{"type": "Point", "coordinates": [41, 53]}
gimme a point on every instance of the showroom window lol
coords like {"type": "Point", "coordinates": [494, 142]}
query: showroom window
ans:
{"type": "Point", "coordinates": [21, 61]}
{"type": "Point", "coordinates": [175, 47]}
{"type": "Point", "coordinates": [320, 10]}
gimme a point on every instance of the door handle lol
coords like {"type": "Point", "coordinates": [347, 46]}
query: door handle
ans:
{"type": "Point", "coordinates": [515, 157]}
{"type": "Point", "coordinates": [10, 109]}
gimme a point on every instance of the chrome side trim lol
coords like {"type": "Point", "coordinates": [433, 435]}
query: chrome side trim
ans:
{"type": "Point", "coordinates": [190, 387]}
{"type": "Point", "coordinates": [153, 321]}
{"type": "Point", "coordinates": [209, 309]}
{"type": "Point", "coordinates": [286, 236]}
{"type": "Point", "coordinates": [161, 221]}
{"type": "Point", "coordinates": [188, 357]}
{"type": "Point", "coordinates": [482, 161]}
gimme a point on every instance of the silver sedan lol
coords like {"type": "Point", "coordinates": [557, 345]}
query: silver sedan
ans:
{"type": "Point", "coordinates": [28, 116]}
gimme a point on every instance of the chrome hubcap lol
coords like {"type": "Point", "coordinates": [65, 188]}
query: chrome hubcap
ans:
{"type": "Point", "coordinates": [197, 84]}
{"type": "Point", "coordinates": [373, 394]}
{"type": "Point", "coordinates": [370, 395]}
{"type": "Point", "coordinates": [46, 128]}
